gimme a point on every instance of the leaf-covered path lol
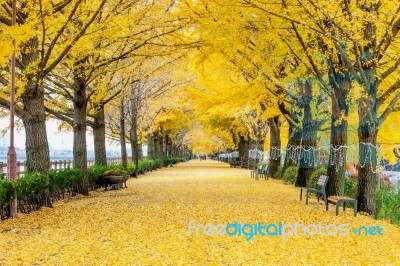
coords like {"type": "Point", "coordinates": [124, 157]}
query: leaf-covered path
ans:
{"type": "Point", "coordinates": [147, 224]}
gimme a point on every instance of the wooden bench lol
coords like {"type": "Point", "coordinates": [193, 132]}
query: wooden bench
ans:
{"type": "Point", "coordinates": [337, 200]}
{"type": "Point", "coordinates": [235, 164]}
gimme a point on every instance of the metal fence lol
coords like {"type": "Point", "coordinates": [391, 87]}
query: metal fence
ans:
{"type": "Point", "coordinates": [55, 165]}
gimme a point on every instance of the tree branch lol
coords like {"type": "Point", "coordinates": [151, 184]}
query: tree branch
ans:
{"type": "Point", "coordinates": [388, 110]}
{"type": "Point", "coordinates": [18, 110]}
{"type": "Point", "coordinates": [389, 92]}
{"type": "Point", "coordinates": [77, 37]}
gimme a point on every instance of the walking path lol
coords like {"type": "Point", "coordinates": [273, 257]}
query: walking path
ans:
{"type": "Point", "coordinates": [147, 224]}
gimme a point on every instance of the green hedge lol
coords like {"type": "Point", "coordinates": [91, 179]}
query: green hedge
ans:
{"type": "Point", "coordinates": [388, 204]}
{"type": "Point", "coordinates": [290, 175]}
{"type": "Point", "coordinates": [312, 182]}
{"type": "Point", "coordinates": [30, 188]}
{"type": "Point", "coordinates": [6, 191]}
{"type": "Point", "coordinates": [278, 174]}
{"type": "Point", "coordinates": [350, 187]}
{"type": "Point", "coordinates": [173, 160]}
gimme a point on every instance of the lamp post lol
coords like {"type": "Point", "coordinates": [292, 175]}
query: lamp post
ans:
{"type": "Point", "coordinates": [12, 155]}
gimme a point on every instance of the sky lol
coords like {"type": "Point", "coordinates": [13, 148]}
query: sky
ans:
{"type": "Point", "coordinates": [57, 140]}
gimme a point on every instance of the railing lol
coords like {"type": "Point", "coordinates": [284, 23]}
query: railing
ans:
{"type": "Point", "coordinates": [56, 165]}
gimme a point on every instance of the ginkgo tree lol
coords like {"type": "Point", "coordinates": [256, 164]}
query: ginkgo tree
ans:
{"type": "Point", "coordinates": [363, 35]}
{"type": "Point", "coordinates": [352, 51]}
{"type": "Point", "coordinates": [100, 52]}
{"type": "Point", "coordinates": [49, 35]}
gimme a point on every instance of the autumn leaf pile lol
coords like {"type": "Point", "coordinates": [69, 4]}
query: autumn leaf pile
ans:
{"type": "Point", "coordinates": [147, 224]}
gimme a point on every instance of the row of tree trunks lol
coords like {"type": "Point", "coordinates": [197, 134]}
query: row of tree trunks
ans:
{"type": "Point", "coordinates": [155, 146]}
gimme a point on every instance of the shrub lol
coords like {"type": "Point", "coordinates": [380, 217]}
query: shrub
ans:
{"type": "Point", "coordinates": [30, 188]}
{"type": "Point", "coordinates": [157, 163]}
{"type": "Point", "coordinates": [278, 174]}
{"type": "Point", "coordinates": [290, 175]}
{"type": "Point", "coordinates": [350, 186]}
{"type": "Point", "coordinates": [6, 191]}
{"type": "Point", "coordinates": [145, 165]}
{"type": "Point", "coordinates": [231, 161]}
{"type": "Point", "coordinates": [70, 176]}
{"type": "Point", "coordinates": [32, 184]}
{"type": "Point", "coordinates": [168, 161]}
{"type": "Point", "coordinates": [312, 182]}
{"type": "Point", "coordinates": [55, 182]}
{"type": "Point", "coordinates": [131, 168]}
{"type": "Point", "coordinates": [117, 172]}
{"type": "Point", "coordinates": [96, 171]}
{"type": "Point", "coordinates": [388, 204]}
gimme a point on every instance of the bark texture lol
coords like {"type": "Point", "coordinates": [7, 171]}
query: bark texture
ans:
{"type": "Point", "coordinates": [338, 139]}
{"type": "Point", "coordinates": [122, 134]}
{"type": "Point", "coordinates": [99, 134]}
{"type": "Point", "coordinates": [275, 142]}
{"type": "Point", "coordinates": [79, 128]}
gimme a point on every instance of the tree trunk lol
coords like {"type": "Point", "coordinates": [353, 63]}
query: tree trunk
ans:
{"type": "Point", "coordinates": [368, 106]}
{"type": "Point", "coordinates": [160, 149]}
{"type": "Point", "coordinates": [140, 151]}
{"type": "Point", "coordinates": [99, 134]}
{"type": "Point", "coordinates": [36, 142]}
{"type": "Point", "coordinates": [338, 139]}
{"type": "Point", "coordinates": [275, 145]}
{"type": "Point", "coordinates": [367, 136]}
{"type": "Point", "coordinates": [156, 146]}
{"type": "Point", "coordinates": [150, 147]}
{"type": "Point", "coordinates": [367, 177]}
{"type": "Point", "coordinates": [244, 147]}
{"type": "Point", "coordinates": [79, 128]}
{"type": "Point", "coordinates": [122, 134]}
{"type": "Point", "coordinates": [36, 145]}
{"type": "Point", "coordinates": [133, 131]}
{"type": "Point", "coordinates": [309, 140]}
{"type": "Point", "coordinates": [168, 147]}
{"type": "Point", "coordinates": [134, 146]}
{"type": "Point", "coordinates": [293, 147]}
{"type": "Point", "coordinates": [173, 150]}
